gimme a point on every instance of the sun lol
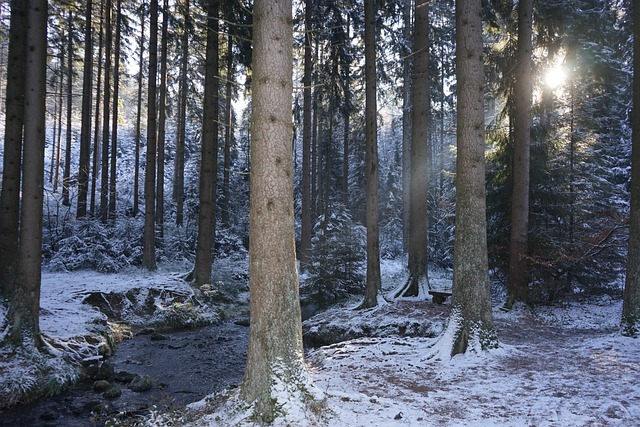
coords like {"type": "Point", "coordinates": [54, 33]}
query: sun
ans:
{"type": "Point", "coordinates": [555, 77]}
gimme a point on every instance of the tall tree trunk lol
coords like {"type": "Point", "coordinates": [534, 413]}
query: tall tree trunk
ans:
{"type": "Point", "coordinates": [114, 120]}
{"type": "Point", "coordinates": [471, 316]}
{"type": "Point", "coordinates": [162, 120]}
{"type": "Point", "coordinates": [208, 163]}
{"type": "Point", "coordinates": [104, 179]}
{"type": "Point", "coordinates": [12, 161]}
{"type": "Point", "coordinates": [228, 136]}
{"type": "Point", "coordinates": [346, 113]}
{"type": "Point", "coordinates": [66, 178]}
{"type": "Point", "coordinates": [406, 123]}
{"type": "Point", "coordinates": [85, 129]}
{"type": "Point", "coordinates": [56, 106]}
{"type": "Point", "coordinates": [96, 125]}
{"type": "Point", "coordinates": [517, 286]}
{"type": "Point", "coordinates": [178, 181]}
{"type": "Point", "coordinates": [420, 160]}
{"type": "Point", "coordinates": [149, 238]}
{"type": "Point", "coordinates": [275, 350]}
{"type": "Point", "coordinates": [25, 305]}
{"type": "Point", "coordinates": [305, 231]}
{"type": "Point", "coordinates": [373, 284]}
{"type": "Point", "coordinates": [136, 172]}
{"type": "Point", "coordinates": [314, 140]}
{"type": "Point", "coordinates": [56, 181]}
{"type": "Point", "coordinates": [631, 302]}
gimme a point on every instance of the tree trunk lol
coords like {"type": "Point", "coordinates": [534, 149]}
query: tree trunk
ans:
{"type": "Point", "coordinates": [517, 286]}
{"type": "Point", "coordinates": [25, 305]}
{"type": "Point", "coordinates": [306, 226]}
{"type": "Point", "coordinates": [56, 180]}
{"type": "Point", "coordinates": [631, 296]}
{"type": "Point", "coordinates": [12, 161]}
{"type": "Point", "coordinates": [136, 172]}
{"type": "Point", "coordinates": [104, 179]}
{"type": "Point", "coordinates": [346, 113]}
{"type": "Point", "coordinates": [471, 316]}
{"type": "Point", "coordinates": [373, 284]}
{"type": "Point", "coordinates": [85, 130]}
{"type": "Point", "coordinates": [208, 164]}
{"type": "Point", "coordinates": [420, 161]}
{"type": "Point", "coordinates": [66, 178]}
{"type": "Point", "coordinates": [228, 136]}
{"type": "Point", "coordinates": [178, 182]}
{"type": "Point", "coordinates": [96, 126]}
{"type": "Point", "coordinates": [162, 121]}
{"type": "Point", "coordinates": [275, 353]}
{"type": "Point", "coordinates": [114, 121]}
{"type": "Point", "coordinates": [406, 124]}
{"type": "Point", "coordinates": [149, 239]}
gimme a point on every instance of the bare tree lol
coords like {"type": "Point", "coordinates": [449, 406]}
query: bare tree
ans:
{"type": "Point", "coordinates": [162, 119]}
{"type": "Point", "coordinates": [12, 161]}
{"type": "Point", "coordinates": [275, 352]}
{"type": "Point", "coordinates": [114, 121]}
{"type": "Point", "coordinates": [25, 304]}
{"type": "Point", "coordinates": [373, 284]}
{"type": "Point", "coordinates": [305, 232]}
{"type": "Point", "coordinates": [178, 181]}
{"type": "Point", "coordinates": [420, 159]}
{"type": "Point", "coordinates": [208, 162]}
{"type": "Point", "coordinates": [149, 239]}
{"type": "Point", "coordinates": [517, 286]}
{"type": "Point", "coordinates": [85, 127]}
{"type": "Point", "coordinates": [471, 316]}
{"type": "Point", "coordinates": [136, 172]}
{"type": "Point", "coordinates": [106, 102]}
{"type": "Point", "coordinates": [631, 303]}
{"type": "Point", "coordinates": [66, 178]}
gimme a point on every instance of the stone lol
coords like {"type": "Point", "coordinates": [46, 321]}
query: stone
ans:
{"type": "Point", "coordinates": [125, 377]}
{"type": "Point", "coordinates": [141, 383]}
{"type": "Point", "coordinates": [112, 392]}
{"type": "Point", "coordinates": [101, 385]}
{"type": "Point", "coordinates": [105, 371]}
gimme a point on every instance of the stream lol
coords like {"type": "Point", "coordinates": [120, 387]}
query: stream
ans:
{"type": "Point", "coordinates": [184, 366]}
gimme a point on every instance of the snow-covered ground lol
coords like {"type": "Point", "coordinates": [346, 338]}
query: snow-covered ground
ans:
{"type": "Point", "coordinates": [562, 365]}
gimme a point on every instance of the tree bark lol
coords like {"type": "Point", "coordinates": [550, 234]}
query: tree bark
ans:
{"type": "Point", "coordinates": [517, 286]}
{"type": "Point", "coordinates": [96, 127]}
{"type": "Point", "coordinates": [106, 99]}
{"type": "Point", "coordinates": [85, 129]}
{"type": "Point", "coordinates": [306, 226]}
{"type": "Point", "coordinates": [149, 239]}
{"type": "Point", "coordinates": [275, 352]}
{"type": "Point", "coordinates": [420, 160]}
{"type": "Point", "coordinates": [25, 305]}
{"type": "Point", "coordinates": [178, 182]}
{"type": "Point", "coordinates": [136, 172]}
{"type": "Point", "coordinates": [162, 120]}
{"type": "Point", "coordinates": [406, 124]}
{"type": "Point", "coordinates": [208, 163]}
{"type": "Point", "coordinates": [373, 284]}
{"type": "Point", "coordinates": [631, 295]}
{"type": "Point", "coordinates": [66, 178]}
{"type": "Point", "coordinates": [228, 137]}
{"type": "Point", "coordinates": [471, 316]}
{"type": "Point", "coordinates": [114, 121]}
{"type": "Point", "coordinates": [12, 161]}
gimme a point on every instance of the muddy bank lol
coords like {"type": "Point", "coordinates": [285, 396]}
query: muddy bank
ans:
{"type": "Point", "coordinates": [183, 366]}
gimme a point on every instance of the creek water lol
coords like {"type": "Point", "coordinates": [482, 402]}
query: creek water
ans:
{"type": "Point", "coordinates": [184, 366]}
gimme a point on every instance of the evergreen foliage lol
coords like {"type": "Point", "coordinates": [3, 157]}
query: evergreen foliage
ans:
{"type": "Point", "coordinates": [337, 265]}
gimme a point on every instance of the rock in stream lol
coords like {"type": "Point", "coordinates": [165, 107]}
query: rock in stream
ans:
{"type": "Point", "coordinates": [148, 373]}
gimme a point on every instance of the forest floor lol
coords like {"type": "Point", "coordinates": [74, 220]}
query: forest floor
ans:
{"type": "Point", "coordinates": [559, 365]}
